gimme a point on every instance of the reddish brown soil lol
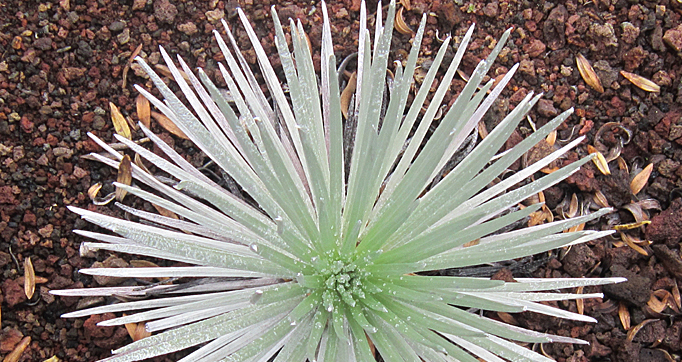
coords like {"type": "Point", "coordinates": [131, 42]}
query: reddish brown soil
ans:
{"type": "Point", "coordinates": [62, 62]}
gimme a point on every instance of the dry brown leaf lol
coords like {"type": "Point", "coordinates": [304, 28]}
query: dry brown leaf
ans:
{"type": "Point", "coordinates": [400, 24]}
{"type": "Point", "coordinates": [94, 190]}
{"type": "Point", "coordinates": [588, 74]}
{"type": "Point", "coordinates": [676, 296]}
{"type": "Point", "coordinates": [120, 123]}
{"type": "Point", "coordinates": [632, 332]}
{"type": "Point", "coordinates": [656, 304]}
{"type": "Point", "coordinates": [632, 242]}
{"type": "Point", "coordinates": [137, 263]}
{"type": "Point", "coordinates": [641, 82]}
{"type": "Point", "coordinates": [168, 125]}
{"type": "Point", "coordinates": [347, 94]}
{"type": "Point", "coordinates": [482, 131]}
{"type": "Point", "coordinates": [406, 4]}
{"type": "Point", "coordinates": [143, 110]}
{"type": "Point", "coordinates": [599, 161]}
{"type": "Point", "coordinates": [18, 350]}
{"type": "Point", "coordinates": [579, 303]}
{"type": "Point", "coordinates": [637, 212]}
{"type": "Point", "coordinates": [507, 318]}
{"type": "Point", "coordinates": [600, 199]}
{"type": "Point", "coordinates": [638, 182]}
{"type": "Point", "coordinates": [29, 278]}
{"type": "Point", "coordinates": [165, 71]}
{"type": "Point", "coordinates": [471, 243]}
{"type": "Point", "coordinates": [52, 359]}
{"type": "Point", "coordinates": [624, 315]}
{"type": "Point", "coordinates": [551, 138]}
{"type": "Point", "coordinates": [125, 176]}
{"type": "Point", "coordinates": [622, 164]}
{"type": "Point", "coordinates": [573, 207]}
{"type": "Point", "coordinates": [137, 331]}
{"type": "Point", "coordinates": [129, 63]}
{"type": "Point", "coordinates": [632, 225]}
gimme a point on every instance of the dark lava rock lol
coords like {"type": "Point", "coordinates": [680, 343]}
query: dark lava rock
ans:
{"type": "Point", "coordinates": [43, 43]}
{"type": "Point", "coordinates": [670, 259]}
{"type": "Point", "coordinates": [579, 260]}
{"type": "Point", "coordinates": [666, 227]}
{"type": "Point", "coordinates": [12, 292]}
{"type": "Point", "coordinates": [635, 291]}
{"type": "Point", "coordinates": [555, 27]}
{"type": "Point", "coordinates": [673, 38]}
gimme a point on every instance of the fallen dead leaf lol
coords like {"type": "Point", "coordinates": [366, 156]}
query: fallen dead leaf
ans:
{"type": "Point", "coordinates": [135, 53]}
{"type": "Point", "coordinates": [143, 110]}
{"type": "Point", "coordinates": [120, 123]}
{"type": "Point", "coordinates": [579, 303]}
{"type": "Point", "coordinates": [125, 176]}
{"type": "Point", "coordinates": [599, 161]}
{"type": "Point", "coordinates": [406, 4]}
{"type": "Point", "coordinates": [52, 359]}
{"type": "Point", "coordinates": [638, 182]}
{"type": "Point", "coordinates": [347, 94]}
{"type": "Point", "coordinates": [641, 82]}
{"type": "Point", "coordinates": [482, 131]}
{"type": "Point", "coordinates": [600, 199]}
{"type": "Point", "coordinates": [168, 125]}
{"type": "Point", "coordinates": [400, 24]}
{"type": "Point", "coordinates": [632, 242]}
{"type": "Point", "coordinates": [471, 243]}
{"type": "Point", "coordinates": [94, 190]}
{"type": "Point", "coordinates": [29, 278]}
{"type": "Point", "coordinates": [632, 332]}
{"type": "Point", "coordinates": [588, 74]}
{"type": "Point", "coordinates": [18, 350]}
{"type": "Point", "coordinates": [624, 315]}
{"type": "Point", "coordinates": [676, 296]}
{"type": "Point", "coordinates": [137, 331]}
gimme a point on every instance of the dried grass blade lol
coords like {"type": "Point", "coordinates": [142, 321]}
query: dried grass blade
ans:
{"type": "Point", "coordinates": [94, 190]}
{"type": "Point", "coordinates": [599, 161]}
{"type": "Point", "coordinates": [18, 350]}
{"type": "Point", "coordinates": [641, 82]}
{"type": "Point", "coordinates": [638, 182]}
{"type": "Point", "coordinates": [120, 123]}
{"type": "Point", "coordinates": [168, 125]}
{"type": "Point", "coordinates": [129, 63]}
{"type": "Point", "coordinates": [580, 304]}
{"type": "Point", "coordinates": [29, 278]}
{"type": "Point", "coordinates": [631, 242]}
{"type": "Point", "coordinates": [588, 73]}
{"type": "Point", "coordinates": [125, 176]}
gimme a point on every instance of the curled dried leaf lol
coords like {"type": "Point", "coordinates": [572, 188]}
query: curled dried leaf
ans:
{"type": "Point", "coordinates": [52, 359]}
{"type": "Point", "coordinates": [641, 82]}
{"type": "Point", "coordinates": [94, 190]}
{"type": "Point", "coordinates": [632, 225]}
{"type": "Point", "coordinates": [143, 110]}
{"type": "Point", "coordinates": [400, 24]}
{"type": "Point", "coordinates": [656, 304]}
{"type": "Point", "coordinates": [18, 350]}
{"type": "Point", "coordinates": [573, 207]}
{"type": "Point", "coordinates": [638, 182]}
{"type": "Point", "coordinates": [120, 123]}
{"type": "Point", "coordinates": [579, 303]}
{"type": "Point", "coordinates": [406, 4]}
{"type": "Point", "coordinates": [637, 212]}
{"type": "Point", "coordinates": [600, 199]}
{"type": "Point", "coordinates": [588, 73]}
{"type": "Point", "coordinates": [622, 164]}
{"type": "Point", "coordinates": [347, 94]}
{"type": "Point", "coordinates": [632, 242]}
{"type": "Point", "coordinates": [125, 176]}
{"type": "Point", "coordinates": [168, 125]}
{"type": "Point", "coordinates": [29, 278]}
{"type": "Point", "coordinates": [624, 315]}
{"type": "Point", "coordinates": [632, 332]}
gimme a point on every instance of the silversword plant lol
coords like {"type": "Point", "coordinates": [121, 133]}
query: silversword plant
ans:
{"type": "Point", "coordinates": [319, 249]}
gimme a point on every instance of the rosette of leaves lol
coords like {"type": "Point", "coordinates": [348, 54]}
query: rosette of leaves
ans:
{"type": "Point", "coordinates": [319, 247]}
